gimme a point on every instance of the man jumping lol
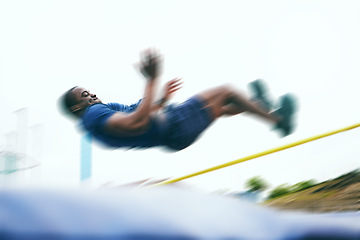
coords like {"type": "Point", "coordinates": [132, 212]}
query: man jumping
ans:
{"type": "Point", "coordinates": [177, 126]}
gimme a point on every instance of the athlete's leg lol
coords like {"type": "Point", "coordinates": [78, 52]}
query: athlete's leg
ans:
{"type": "Point", "coordinates": [231, 110]}
{"type": "Point", "coordinates": [225, 100]}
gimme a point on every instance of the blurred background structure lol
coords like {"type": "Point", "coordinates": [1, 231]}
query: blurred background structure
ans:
{"type": "Point", "coordinates": [17, 166]}
{"type": "Point", "coordinates": [85, 168]}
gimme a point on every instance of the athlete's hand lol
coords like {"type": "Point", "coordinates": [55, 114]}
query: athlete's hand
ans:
{"type": "Point", "coordinates": [150, 64]}
{"type": "Point", "coordinates": [171, 87]}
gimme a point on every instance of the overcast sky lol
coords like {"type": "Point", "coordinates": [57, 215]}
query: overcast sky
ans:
{"type": "Point", "coordinates": [309, 48]}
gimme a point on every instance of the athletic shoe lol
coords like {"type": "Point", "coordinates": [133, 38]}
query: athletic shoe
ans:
{"type": "Point", "coordinates": [286, 113]}
{"type": "Point", "coordinates": [260, 94]}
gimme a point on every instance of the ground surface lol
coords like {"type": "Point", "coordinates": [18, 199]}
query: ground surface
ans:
{"type": "Point", "coordinates": [336, 195]}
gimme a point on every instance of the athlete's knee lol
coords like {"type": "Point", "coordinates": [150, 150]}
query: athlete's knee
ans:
{"type": "Point", "coordinates": [230, 94]}
{"type": "Point", "coordinates": [226, 90]}
{"type": "Point", "coordinates": [219, 96]}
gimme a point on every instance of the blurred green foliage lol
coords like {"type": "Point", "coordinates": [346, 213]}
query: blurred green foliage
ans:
{"type": "Point", "coordinates": [256, 184]}
{"type": "Point", "coordinates": [286, 189]}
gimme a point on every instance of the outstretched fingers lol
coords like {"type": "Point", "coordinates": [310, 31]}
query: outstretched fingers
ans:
{"type": "Point", "coordinates": [171, 87]}
{"type": "Point", "coordinates": [174, 85]}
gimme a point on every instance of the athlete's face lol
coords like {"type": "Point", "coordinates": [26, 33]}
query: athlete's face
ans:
{"type": "Point", "coordinates": [84, 97]}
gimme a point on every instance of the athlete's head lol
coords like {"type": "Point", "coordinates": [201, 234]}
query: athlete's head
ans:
{"type": "Point", "coordinates": [76, 99]}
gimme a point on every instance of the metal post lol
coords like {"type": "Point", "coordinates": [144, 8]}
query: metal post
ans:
{"type": "Point", "coordinates": [85, 165]}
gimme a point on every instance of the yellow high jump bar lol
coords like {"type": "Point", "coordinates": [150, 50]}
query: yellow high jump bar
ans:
{"type": "Point", "coordinates": [277, 149]}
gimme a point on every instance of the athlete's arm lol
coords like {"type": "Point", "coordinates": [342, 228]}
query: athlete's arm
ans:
{"type": "Point", "coordinates": [169, 88]}
{"type": "Point", "coordinates": [137, 121]}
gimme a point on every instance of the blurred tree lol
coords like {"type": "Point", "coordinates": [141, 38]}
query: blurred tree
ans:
{"type": "Point", "coordinates": [286, 189]}
{"type": "Point", "coordinates": [279, 191]}
{"type": "Point", "coordinates": [303, 185]}
{"type": "Point", "coordinates": [256, 184]}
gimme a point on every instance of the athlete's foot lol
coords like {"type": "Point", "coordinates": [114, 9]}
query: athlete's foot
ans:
{"type": "Point", "coordinates": [260, 94]}
{"type": "Point", "coordinates": [286, 112]}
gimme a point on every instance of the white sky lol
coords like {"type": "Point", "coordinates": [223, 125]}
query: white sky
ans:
{"type": "Point", "coordinates": [310, 48]}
